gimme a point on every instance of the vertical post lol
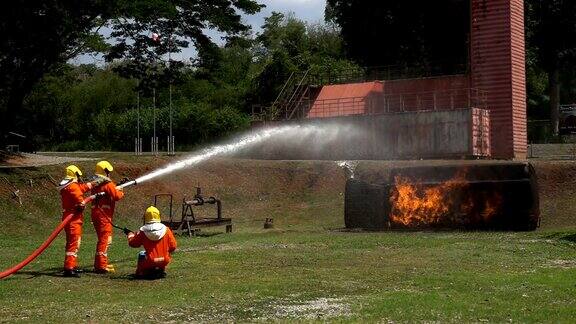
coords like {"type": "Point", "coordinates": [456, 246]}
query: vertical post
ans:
{"type": "Point", "coordinates": [386, 105]}
{"type": "Point", "coordinates": [154, 138]}
{"type": "Point", "coordinates": [171, 137]}
{"type": "Point", "coordinates": [434, 99]}
{"type": "Point", "coordinates": [138, 147]}
{"type": "Point", "coordinates": [170, 107]}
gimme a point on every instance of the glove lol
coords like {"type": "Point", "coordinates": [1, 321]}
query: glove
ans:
{"type": "Point", "coordinates": [126, 231]}
{"type": "Point", "coordinates": [99, 195]}
{"type": "Point", "coordinates": [123, 181]}
{"type": "Point", "coordinates": [79, 208]}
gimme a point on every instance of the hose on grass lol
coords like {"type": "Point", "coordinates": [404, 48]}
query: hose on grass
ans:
{"type": "Point", "coordinates": [44, 245]}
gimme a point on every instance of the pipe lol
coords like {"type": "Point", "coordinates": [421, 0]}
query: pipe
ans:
{"type": "Point", "coordinates": [44, 245]}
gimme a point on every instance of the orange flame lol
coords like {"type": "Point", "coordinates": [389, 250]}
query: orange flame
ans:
{"type": "Point", "coordinates": [417, 204]}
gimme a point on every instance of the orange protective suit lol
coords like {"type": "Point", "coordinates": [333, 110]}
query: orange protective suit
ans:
{"type": "Point", "coordinates": [102, 215]}
{"type": "Point", "coordinates": [72, 194]}
{"type": "Point", "coordinates": [158, 241]}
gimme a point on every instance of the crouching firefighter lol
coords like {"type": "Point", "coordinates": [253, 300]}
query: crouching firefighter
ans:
{"type": "Point", "coordinates": [158, 241]}
{"type": "Point", "coordinates": [103, 213]}
{"type": "Point", "coordinates": [72, 195]}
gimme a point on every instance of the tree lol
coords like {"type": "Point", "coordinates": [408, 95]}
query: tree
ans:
{"type": "Point", "coordinates": [551, 32]}
{"type": "Point", "coordinates": [39, 34]}
{"type": "Point", "coordinates": [288, 45]}
{"type": "Point", "coordinates": [176, 24]}
{"type": "Point", "coordinates": [403, 32]}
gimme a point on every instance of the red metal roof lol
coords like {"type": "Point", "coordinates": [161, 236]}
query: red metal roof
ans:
{"type": "Point", "coordinates": [344, 99]}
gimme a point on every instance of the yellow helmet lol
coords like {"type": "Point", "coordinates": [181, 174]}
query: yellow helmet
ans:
{"type": "Point", "coordinates": [73, 172]}
{"type": "Point", "coordinates": [103, 168]}
{"type": "Point", "coordinates": [152, 215]}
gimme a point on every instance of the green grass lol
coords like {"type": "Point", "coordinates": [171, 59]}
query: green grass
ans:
{"type": "Point", "coordinates": [302, 270]}
{"type": "Point", "coordinates": [256, 275]}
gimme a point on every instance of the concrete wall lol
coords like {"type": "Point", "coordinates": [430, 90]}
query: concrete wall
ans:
{"type": "Point", "coordinates": [408, 135]}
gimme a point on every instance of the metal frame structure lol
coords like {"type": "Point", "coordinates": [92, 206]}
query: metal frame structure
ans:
{"type": "Point", "coordinates": [190, 222]}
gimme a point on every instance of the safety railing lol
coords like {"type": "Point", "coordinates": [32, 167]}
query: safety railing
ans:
{"type": "Point", "coordinates": [393, 103]}
{"type": "Point", "coordinates": [391, 72]}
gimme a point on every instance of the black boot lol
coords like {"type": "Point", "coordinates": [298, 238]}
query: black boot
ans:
{"type": "Point", "coordinates": [71, 273]}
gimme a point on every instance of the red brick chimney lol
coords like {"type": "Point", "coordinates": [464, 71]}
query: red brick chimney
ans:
{"type": "Point", "coordinates": [497, 60]}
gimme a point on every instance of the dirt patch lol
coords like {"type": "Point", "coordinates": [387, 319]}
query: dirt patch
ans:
{"type": "Point", "coordinates": [557, 188]}
{"type": "Point", "coordinates": [316, 309]}
{"type": "Point", "coordinates": [291, 192]}
{"type": "Point", "coordinates": [220, 247]}
{"type": "Point", "coordinates": [564, 264]}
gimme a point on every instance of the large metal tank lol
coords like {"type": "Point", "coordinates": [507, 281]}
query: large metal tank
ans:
{"type": "Point", "coordinates": [499, 196]}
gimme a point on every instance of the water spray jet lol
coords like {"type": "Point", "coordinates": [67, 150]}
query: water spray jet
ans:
{"type": "Point", "coordinates": [193, 160]}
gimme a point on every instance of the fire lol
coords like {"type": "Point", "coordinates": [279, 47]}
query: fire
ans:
{"type": "Point", "coordinates": [417, 204]}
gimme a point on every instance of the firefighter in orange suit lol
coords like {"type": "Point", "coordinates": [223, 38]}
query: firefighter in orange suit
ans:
{"type": "Point", "coordinates": [158, 241]}
{"type": "Point", "coordinates": [103, 213]}
{"type": "Point", "coordinates": [72, 194]}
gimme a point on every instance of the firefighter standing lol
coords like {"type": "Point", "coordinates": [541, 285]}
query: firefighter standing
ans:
{"type": "Point", "coordinates": [72, 195]}
{"type": "Point", "coordinates": [102, 214]}
{"type": "Point", "coordinates": [158, 241]}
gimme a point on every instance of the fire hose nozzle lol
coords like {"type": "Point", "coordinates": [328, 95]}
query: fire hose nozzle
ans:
{"type": "Point", "coordinates": [128, 184]}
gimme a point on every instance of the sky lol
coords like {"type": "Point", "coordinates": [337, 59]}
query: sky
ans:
{"type": "Point", "coordinates": [311, 11]}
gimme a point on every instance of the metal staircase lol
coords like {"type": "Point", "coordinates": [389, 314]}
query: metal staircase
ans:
{"type": "Point", "coordinates": [294, 91]}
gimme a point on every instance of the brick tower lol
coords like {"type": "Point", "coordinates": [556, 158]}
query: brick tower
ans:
{"type": "Point", "coordinates": [497, 57]}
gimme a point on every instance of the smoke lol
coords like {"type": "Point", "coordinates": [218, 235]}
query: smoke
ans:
{"type": "Point", "coordinates": [349, 167]}
{"type": "Point", "coordinates": [314, 141]}
{"type": "Point", "coordinates": [295, 138]}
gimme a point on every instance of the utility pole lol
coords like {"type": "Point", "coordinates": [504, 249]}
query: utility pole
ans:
{"type": "Point", "coordinates": [155, 38]}
{"type": "Point", "coordinates": [138, 138]}
{"type": "Point", "coordinates": [171, 146]}
{"type": "Point", "coordinates": [154, 138]}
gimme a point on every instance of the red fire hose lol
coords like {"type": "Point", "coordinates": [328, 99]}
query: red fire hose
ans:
{"type": "Point", "coordinates": [44, 245]}
{"type": "Point", "coordinates": [55, 233]}
{"type": "Point", "coordinates": [39, 250]}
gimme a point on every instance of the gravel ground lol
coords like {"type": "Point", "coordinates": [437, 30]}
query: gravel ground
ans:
{"type": "Point", "coordinates": [34, 160]}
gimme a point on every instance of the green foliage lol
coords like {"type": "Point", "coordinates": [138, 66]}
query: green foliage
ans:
{"type": "Point", "coordinates": [39, 35]}
{"type": "Point", "coordinates": [94, 108]}
{"type": "Point", "coordinates": [177, 25]}
{"type": "Point", "coordinates": [551, 34]}
{"type": "Point", "coordinates": [86, 108]}
{"type": "Point", "coordinates": [288, 45]}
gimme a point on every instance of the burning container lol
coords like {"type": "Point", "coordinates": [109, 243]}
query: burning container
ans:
{"type": "Point", "coordinates": [499, 196]}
